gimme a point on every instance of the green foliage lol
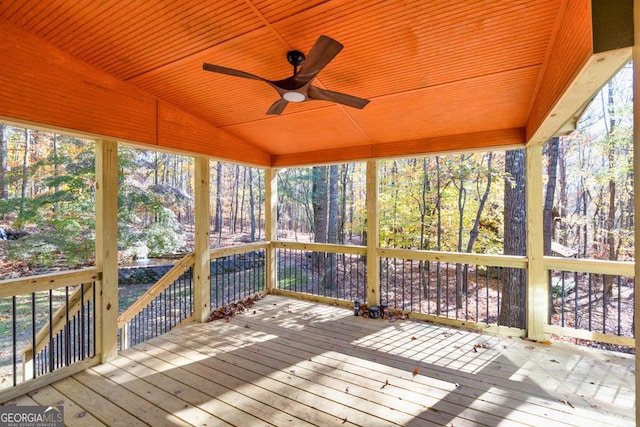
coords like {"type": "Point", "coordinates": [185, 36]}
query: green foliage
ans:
{"type": "Point", "coordinates": [421, 197]}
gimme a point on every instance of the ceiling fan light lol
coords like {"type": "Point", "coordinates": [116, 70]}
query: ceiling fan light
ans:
{"type": "Point", "coordinates": [293, 96]}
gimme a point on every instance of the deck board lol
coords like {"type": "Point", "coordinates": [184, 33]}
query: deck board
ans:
{"type": "Point", "coordinates": [293, 362]}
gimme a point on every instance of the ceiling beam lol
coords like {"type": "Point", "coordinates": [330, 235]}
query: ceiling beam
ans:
{"type": "Point", "coordinates": [592, 42]}
{"type": "Point", "coordinates": [500, 139]}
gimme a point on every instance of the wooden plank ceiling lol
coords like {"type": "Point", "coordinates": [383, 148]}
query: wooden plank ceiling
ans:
{"type": "Point", "coordinates": [430, 68]}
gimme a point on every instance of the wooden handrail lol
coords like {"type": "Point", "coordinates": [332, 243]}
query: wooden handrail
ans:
{"type": "Point", "coordinates": [595, 266]}
{"type": "Point", "coordinates": [239, 249]}
{"type": "Point", "coordinates": [456, 257]}
{"type": "Point", "coordinates": [165, 281]}
{"type": "Point", "coordinates": [322, 247]}
{"type": "Point", "coordinates": [45, 282]}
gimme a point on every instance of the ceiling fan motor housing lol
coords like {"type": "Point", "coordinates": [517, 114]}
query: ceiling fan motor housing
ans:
{"type": "Point", "coordinates": [295, 57]}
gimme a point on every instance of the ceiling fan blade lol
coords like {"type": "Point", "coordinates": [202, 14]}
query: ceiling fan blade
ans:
{"type": "Point", "coordinates": [232, 72]}
{"type": "Point", "coordinates": [277, 107]}
{"type": "Point", "coordinates": [322, 52]}
{"type": "Point", "coordinates": [340, 98]}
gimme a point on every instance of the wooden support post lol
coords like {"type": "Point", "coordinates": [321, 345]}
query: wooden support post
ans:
{"type": "Point", "coordinates": [537, 282]}
{"type": "Point", "coordinates": [373, 263]}
{"type": "Point", "coordinates": [271, 224]}
{"type": "Point", "coordinates": [107, 249]}
{"type": "Point", "coordinates": [636, 186]}
{"type": "Point", "coordinates": [202, 266]}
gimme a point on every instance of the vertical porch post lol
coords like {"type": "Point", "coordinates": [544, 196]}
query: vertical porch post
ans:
{"type": "Point", "coordinates": [107, 248]}
{"type": "Point", "coordinates": [201, 268]}
{"type": "Point", "coordinates": [537, 286]}
{"type": "Point", "coordinates": [373, 263]}
{"type": "Point", "coordinates": [270, 224]}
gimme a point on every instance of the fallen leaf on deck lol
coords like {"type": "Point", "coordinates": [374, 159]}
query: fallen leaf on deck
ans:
{"type": "Point", "coordinates": [386, 383]}
{"type": "Point", "coordinates": [416, 371]}
{"type": "Point", "coordinates": [566, 402]}
{"type": "Point", "coordinates": [554, 361]}
{"type": "Point", "coordinates": [413, 338]}
{"type": "Point", "coordinates": [479, 345]}
{"type": "Point", "coordinates": [345, 420]}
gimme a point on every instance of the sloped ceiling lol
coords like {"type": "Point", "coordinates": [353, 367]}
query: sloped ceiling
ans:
{"type": "Point", "coordinates": [432, 69]}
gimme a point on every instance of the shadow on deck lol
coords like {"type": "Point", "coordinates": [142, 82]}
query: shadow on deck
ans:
{"type": "Point", "coordinates": [292, 362]}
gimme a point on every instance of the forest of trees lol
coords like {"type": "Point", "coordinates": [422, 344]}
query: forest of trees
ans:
{"type": "Point", "coordinates": [470, 202]}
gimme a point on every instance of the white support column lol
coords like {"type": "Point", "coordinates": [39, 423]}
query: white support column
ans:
{"type": "Point", "coordinates": [537, 286]}
{"type": "Point", "coordinates": [271, 224]}
{"type": "Point", "coordinates": [636, 186]}
{"type": "Point", "coordinates": [107, 248]}
{"type": "Point", "coordinates": [373, 263]}
{"type": "Point", "coordinates": [201, 268]}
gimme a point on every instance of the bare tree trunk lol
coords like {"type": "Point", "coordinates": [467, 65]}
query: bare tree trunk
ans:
{"type": "Point", "coordinates": [548, 216]}
{"type": "Point", "coordinates": [252, 208]}
{"type": "Point", "coordinates": [319, 203]}
{"type": "Point", "coordinates": [424, 239]}
{"type": "Point", "coordinates": [438, 233]}
{"type": "Point", "coordinates": [236, 188]}
{"type": "Point", "coordinates": [475, 230]}
{"type": "Point", "coordinates": [611, 217]}
{"type": "Point", "coordinates": [4, 164]}
{"type": "Point", "coordinates": [513, 287]}
{"type": "Point", "coordinates": [25, 166]}
{"type": "Point", "coordinates": [426, 188]}
{"type": "Point", "coordinates": [562, 181]}
{"type": "Point", "coordinates": [344, 181]}
{"type": "Point", "coordinates": [217, 219]}
{"type": "Point", "coordinates": [329, 280]}
{"type": "Point", "coordinates": [242, 200]}
{"type": "Point", "coordinates": [462, 202]}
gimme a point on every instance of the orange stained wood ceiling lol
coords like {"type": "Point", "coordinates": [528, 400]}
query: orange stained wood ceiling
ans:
{"type": "Point", "coordinates": [430, 68]}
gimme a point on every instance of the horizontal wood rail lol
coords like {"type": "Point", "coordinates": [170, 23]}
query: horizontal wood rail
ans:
{"type": "Point", "coordinates": [595, 266]}
{"type": "Point", "coordinates": [321, 247]}
{"type": "Point", "coordinates": [455, 257]}
{"type": "Point", "coordinates": [45, 282]}
{"type": "Point", "coordinates": [583, 334]}
{"type": "Point", "coordinates": [165, 281]}
{"type": "Point", "coordinates": [239, 249]}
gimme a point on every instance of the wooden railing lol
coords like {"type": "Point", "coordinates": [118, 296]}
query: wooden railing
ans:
{"type": "Point", "coordinates": [601, 285]}
{"type": "Point", "coordinates": [146, 300]}
{"type": "Point", "coordinates": [237, 272]}
{"type": "Point", "coordinates": [155, 313]}
{"type": "Point", "coordinates": [591, 300]}
{"type": "Point", "coordinates": [53, 328]}
{"type": "Point", "coordinates": [424, 285]}
{"type": "Point", "coordinates": [301, 269]}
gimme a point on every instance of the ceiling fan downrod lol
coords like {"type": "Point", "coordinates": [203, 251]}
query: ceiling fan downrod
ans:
{"type": "Point", "coordinates": [295, 58]}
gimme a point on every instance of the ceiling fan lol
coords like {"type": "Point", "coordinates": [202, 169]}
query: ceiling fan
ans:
{"type": "Point", "coordinates": [298, 88]}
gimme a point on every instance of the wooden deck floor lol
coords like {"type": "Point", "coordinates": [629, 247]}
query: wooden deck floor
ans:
{"type": "Point", "coordinates": [294, 363]}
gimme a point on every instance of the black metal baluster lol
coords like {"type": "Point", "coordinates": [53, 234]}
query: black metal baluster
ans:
{"type": "Point", "coordinates": [33, 331]}
{"type": "Point", "coordinates": [14, 338]}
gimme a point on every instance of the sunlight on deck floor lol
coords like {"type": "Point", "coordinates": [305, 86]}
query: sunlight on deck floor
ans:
{"type": "Point", "coordinates": [292, 362]}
